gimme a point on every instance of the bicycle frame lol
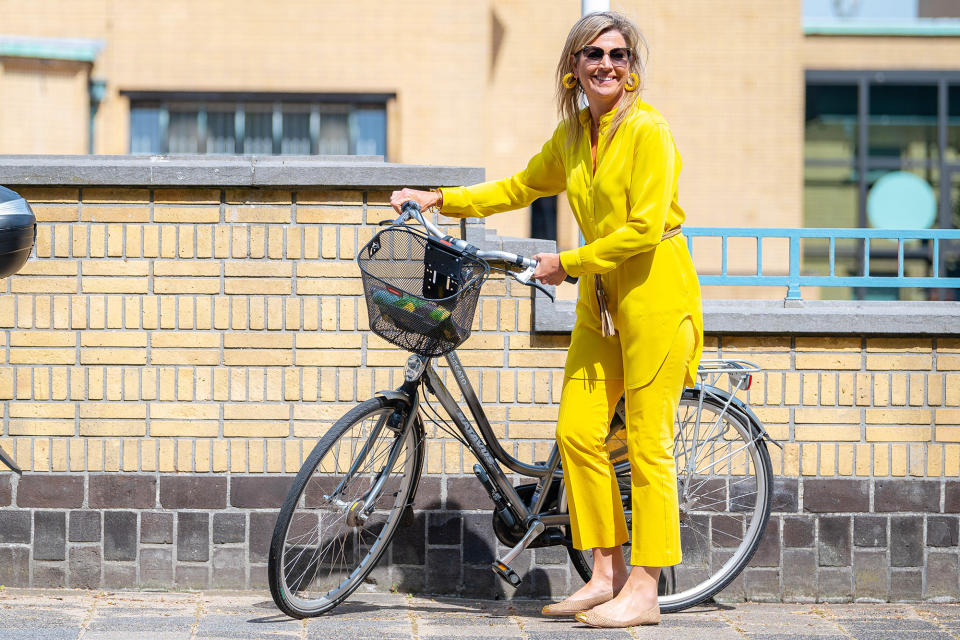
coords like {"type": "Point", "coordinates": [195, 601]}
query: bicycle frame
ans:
{"type": "Point", "coordinates": [487, 448]}
{"type": "Point", "coordinates": [491, 455]}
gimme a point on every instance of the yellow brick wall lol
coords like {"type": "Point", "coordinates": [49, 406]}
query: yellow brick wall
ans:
{"type": "Point", "coordinates": [209, 330]}
{"type": "Point", "coordinates": [851, 406]}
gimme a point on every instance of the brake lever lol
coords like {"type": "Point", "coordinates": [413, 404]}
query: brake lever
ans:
{"type": "Point", "coordinates": [404, 216]}
{"type": "Point", "coordinates": [526, 277]}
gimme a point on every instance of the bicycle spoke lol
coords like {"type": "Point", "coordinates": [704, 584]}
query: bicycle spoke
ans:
{"type": "Point", "coordinates": [734, 452]}
{"type": "Point", "coordinates": [724, 533]}
{"type": "Point", "coordinates": [701, 438]}
{"type": "Point", "coordinates": [700, 538]}
{"type": "Point", "coordinates": [338, 524]}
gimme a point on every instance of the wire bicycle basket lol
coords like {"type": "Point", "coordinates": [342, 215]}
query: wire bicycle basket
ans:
{"type": "Point", "coordinates": [421, 293]}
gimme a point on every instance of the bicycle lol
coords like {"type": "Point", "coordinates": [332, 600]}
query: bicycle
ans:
{"type": "Point", "coordinates": [357, 486]}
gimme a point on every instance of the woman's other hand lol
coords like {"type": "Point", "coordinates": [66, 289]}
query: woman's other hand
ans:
{"type": "Point", "coordinates": [425, 199]}
{"type": "Point", "coordinates": [549, 270]}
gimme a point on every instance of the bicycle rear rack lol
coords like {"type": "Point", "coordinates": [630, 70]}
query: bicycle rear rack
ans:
{"type": "Point", "coordinates": [739, 373]}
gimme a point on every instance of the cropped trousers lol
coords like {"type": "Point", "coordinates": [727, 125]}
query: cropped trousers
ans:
{"type": "Point", "coordinates": [593, 496]}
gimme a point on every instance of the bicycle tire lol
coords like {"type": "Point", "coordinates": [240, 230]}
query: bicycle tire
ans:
{"type": "Point", "coordinates": [307, 503]}
{"type": "Point", "coordinates": [718, 578]}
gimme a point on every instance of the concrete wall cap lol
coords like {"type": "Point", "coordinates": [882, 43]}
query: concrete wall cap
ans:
{"type": "Point", "coordinates": [815, 317]}
{"type": "Point", "coordinates": [368, 172]}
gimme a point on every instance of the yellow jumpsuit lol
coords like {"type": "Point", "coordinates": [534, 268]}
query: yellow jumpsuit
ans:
{"type": "Point", "coordinates": [653, 294]}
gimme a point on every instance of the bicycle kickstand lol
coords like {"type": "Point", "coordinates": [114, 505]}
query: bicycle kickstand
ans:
{"type": "Point", "coordinates": [502, 566]}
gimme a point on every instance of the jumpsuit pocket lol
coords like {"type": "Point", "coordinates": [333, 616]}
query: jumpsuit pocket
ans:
{"type": "Point", "coordinates": [592, 356]}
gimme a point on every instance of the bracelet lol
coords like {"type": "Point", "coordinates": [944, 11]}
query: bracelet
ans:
{"type": "Point", "coordinates": [439, 204]}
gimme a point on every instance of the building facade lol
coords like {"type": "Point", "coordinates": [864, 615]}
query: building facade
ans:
{"type": "Point", "coordinates": [786, 114]}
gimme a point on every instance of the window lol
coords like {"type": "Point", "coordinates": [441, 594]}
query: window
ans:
{"type": "Point", "coordinates": [904, 122]}
{"type": "Point", "coordinates": [145, 128]}
{"type": "Point", "coordinates": [867, 130]}
{"type": "Point", "coordinates": [221, 129]}
{"type": "Point", "coordinates": [263, 124]}
{"type": "Point", "coordinates": [543, 218]}
{"type": "Point", "coordinates": [295, 139]}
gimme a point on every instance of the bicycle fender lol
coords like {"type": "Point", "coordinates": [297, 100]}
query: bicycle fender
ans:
{"type": "Point", "coordinates": [395, 395]}
{"type": "Point", "coordinates": [745, 410]}
{"type": "Point", "coordinates": [408, 509]}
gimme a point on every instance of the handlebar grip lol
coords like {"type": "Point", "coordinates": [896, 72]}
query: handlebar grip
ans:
{"type": "Point", "coordinates": [410, 204]}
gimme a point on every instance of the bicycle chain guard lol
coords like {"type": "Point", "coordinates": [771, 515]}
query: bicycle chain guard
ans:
{"type": "Point", "coordinates": [510, 536]}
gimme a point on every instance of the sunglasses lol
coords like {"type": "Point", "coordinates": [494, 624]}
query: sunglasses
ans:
{"type": "Point", "coordinates": [619, 57]}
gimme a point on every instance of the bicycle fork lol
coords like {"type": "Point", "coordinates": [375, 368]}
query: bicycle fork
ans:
{"type": "Point", "coordinates": [358, 510]}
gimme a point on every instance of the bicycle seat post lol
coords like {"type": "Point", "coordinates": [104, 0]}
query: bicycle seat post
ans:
{"type": "Point", "coordinates": [543, 487]}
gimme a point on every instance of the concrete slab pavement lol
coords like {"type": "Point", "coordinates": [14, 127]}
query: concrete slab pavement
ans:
{"type": "Point", "coordinates": [216, 615]}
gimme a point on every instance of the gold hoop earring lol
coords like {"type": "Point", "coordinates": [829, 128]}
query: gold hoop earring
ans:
{"type": "Point", "coordinates": [568, 81]}
{"type": "Point", "coordinates": [632, 83]}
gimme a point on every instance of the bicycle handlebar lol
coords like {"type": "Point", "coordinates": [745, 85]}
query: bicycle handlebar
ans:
{"type": "Point", "coordinates": [411, 209]}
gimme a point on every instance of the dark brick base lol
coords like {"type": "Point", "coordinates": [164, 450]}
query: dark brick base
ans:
{"type": "Point", "coordinates": [827, 540]}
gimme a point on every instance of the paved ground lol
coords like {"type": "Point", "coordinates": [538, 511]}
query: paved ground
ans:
{"type": "Point", "coordinates": [86, 615]}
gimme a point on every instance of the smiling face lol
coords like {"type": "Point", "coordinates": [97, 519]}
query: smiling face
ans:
{"type": "Point", "coordinates": [602, 81]}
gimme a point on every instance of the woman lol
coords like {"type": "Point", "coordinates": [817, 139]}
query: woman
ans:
{"type": "Point", "coordinates": [639, 323]}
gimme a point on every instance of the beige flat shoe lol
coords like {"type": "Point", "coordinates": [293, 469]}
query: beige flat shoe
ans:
{"type": "Point", "coordinates": [570, 607]}
{"type": "Point", "coordinates": [650, 616]}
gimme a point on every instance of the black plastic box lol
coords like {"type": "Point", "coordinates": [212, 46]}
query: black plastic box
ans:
{"type": "Point", "coordinates": [18, 231]}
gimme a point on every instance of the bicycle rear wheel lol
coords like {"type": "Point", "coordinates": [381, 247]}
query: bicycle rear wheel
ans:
{"type": "Point", "coordinates": [724, 486]}
{"type": "Point", "coordinates": [329, 536]}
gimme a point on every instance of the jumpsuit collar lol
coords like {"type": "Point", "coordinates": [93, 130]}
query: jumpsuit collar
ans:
{"type": "Point", "coordinates": [586, 118]}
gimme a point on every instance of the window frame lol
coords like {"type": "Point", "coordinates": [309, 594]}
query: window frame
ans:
{"type": "Point", "coordinates": [862, 163]}
{"type": "Point", "coordinates": [315, 103]}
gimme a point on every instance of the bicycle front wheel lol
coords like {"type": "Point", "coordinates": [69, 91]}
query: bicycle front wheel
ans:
{"type": "Point", "coordinates": [344, 508]}
{"type": "Point", "coordinates": [724, 486]}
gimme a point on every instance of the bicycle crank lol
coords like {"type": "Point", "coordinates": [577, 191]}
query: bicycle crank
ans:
{"type": "Point", "coordinates": [502, 566]}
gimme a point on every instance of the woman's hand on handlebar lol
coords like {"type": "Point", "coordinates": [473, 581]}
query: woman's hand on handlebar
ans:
{"type": "Point", "coordinates": [425, 199]}
{"type": "Point", "coordinates": [549, 270]}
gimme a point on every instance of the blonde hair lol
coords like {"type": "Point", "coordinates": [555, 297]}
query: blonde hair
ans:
{"type": "Point", "coordinates": [586, 30]}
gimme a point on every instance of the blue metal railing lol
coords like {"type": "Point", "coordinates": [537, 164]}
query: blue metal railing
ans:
{"type": "Point", "coordinates": [930, 250]}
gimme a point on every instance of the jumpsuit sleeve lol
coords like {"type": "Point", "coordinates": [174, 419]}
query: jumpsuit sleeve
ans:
{"type": "Point", "coordinates": [544, 176]}
{"type": "Point", "coordinates": [653, 181]}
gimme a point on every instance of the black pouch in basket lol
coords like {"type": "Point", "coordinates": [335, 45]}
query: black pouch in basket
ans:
{"type": "Point", "coordinates": [442, 272]}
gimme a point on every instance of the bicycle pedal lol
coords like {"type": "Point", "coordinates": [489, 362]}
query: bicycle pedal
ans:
{"type": "Point", "coordinates": [509, 575]}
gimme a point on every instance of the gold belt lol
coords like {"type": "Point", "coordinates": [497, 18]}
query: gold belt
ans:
{"type": "Point", "coordinates": [606, 319]}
